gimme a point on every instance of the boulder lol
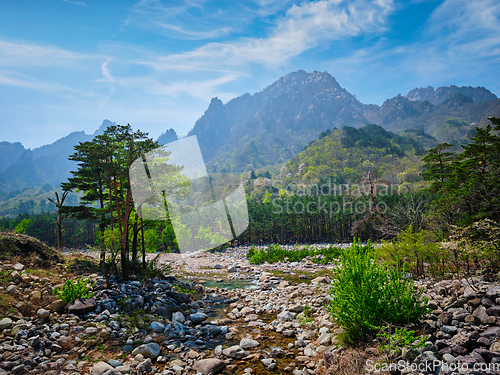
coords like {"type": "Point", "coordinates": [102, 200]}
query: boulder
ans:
{"type": "Point", "coordinates": [248, 343]}
{"type": "Point", "coordinates": [43, 314]}
{"type": "Point", "coordinates": [157, 327]}
{"type": "Point", "coordinates": [5, 323]}
{"type": "Point", "coordinates": [151, 350]}
{"type": "Point", "coordinates": [102, 368]}
{"type": "Point", "coordinates": [198, 317]}
{"type": "Point", "coordinates": [209, 366]}
{"type": "Point", "coordinates": [235, 351]}
{"type": "Point", "coordinates": [80, 306]}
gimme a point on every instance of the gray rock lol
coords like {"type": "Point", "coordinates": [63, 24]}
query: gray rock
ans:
{"type": "Point", "coordinates": [493, 291]}
{"type": "Point", "coordinates": [123, 369]}
{"type": "Point", "coordinates": [43, 314]}
{"type": "Point", "coordinates": [296, 308]}
{"type": "Point", "coordinates": [102, 368]}
{"type": "Point", "coordinates": [235, 351]}
{"type": "Point", "coordinates": [18, 267]}
{"type": "Point", "coordinates": [80, 306]}
{"type": "Point", "coordinates": [151, 350]}
{"type": "Point", "coordinates": [427, 360]}
{"type": "Point", "coordinates": [248, 343]}
{"type": "Point", "coordinates": [288, 333]}
{"type": "Point", "coordinates": [492, 331]}
{"type": "Point", "coordinates": [329, 355]}
{"type": "Point", "coordinates": [285, 316]}
{"type": "Point", "coordinates": [209, 366]}
{"type": "Point", "coordinates": [461, 339]}
{"type": "Point", "coordinates": [325, 338]}
{"type": "Point", "coordinates": [34, 341]}
{"type": "Point", "coordinates": [114, 363]}
{"type": "Point", "coordinates": [90, 330]}
{"type": "Point", "coordinates": [157, 327]}
{"type": "Point", "coordinates": [5, 323]}
{"type": "Point", "coordinates": [309, 351]}
{"type": "Point", "coordinates": [198, 317]}
{"type": "Point", "coordinates": [11, 289]}
{"type": "Point", "coordinates": [268, 361]}
{"type": "Point", "coordinates": [144, 365]}
{"type": "Point", "coordinates": [480, 313]}
{"type": "Point", "coordinates": [450, 329]}
{"type": "Point", "coordinates": [178, 317]}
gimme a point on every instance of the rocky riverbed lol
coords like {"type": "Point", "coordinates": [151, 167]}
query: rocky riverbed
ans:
{"type": "Point", "coordinates": [278, 324]}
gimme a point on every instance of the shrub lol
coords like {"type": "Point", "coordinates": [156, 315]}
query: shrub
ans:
{"type": "Point", "coordinates": [275, 253]}
{"type": "Point", "coordinates": [476, 246]}
{"type": "Point", "coordinates": [365, 295]}
{"type": "Point", "coordinates": [401, 338]}
{"type": "Point", "coordinates": [416, 249]}
{"type": "Point", "coordinates": [71, 291]}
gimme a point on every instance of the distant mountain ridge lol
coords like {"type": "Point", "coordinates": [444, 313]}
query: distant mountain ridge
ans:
{"type": "Point", "coordinates": [275, 124]}
{"type": "Point", "coordinates": [477, 94]}
{"type": "Point", "coordinates": [22, 168]}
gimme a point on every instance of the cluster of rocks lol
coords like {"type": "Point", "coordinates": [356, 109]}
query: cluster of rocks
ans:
{"type": "Point", "coordinates": [463, 326]}
{"type": "Point", "coordinates": [275, 326]}
{"type": "Point", "coordinates": [173, 335]}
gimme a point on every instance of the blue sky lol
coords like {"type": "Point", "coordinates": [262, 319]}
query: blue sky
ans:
{"type": "Point", "coordinates": [65, 65]}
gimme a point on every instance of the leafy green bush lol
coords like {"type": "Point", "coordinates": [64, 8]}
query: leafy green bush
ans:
{"type": "Point", "coordinates": [275, 253]}
{"type": "Point", "coordinates": [365, 295]}
{"type": "Point", "coordinates": [476, 246]}
{"type": "Point", "coordinates": [401, 338]}
{"type": "Point", "coordinates": [71, 291]}
{"type": "Point", "coordinates": [416, 249]}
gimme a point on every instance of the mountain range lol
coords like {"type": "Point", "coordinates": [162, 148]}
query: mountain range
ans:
{"type": "Point", "coordinates": [275, 124]}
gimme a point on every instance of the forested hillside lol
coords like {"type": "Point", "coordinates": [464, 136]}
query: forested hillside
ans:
{"type": "Point", "coordinates": [345, 155]}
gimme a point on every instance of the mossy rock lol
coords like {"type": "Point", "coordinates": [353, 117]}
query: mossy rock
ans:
{"type": "Point", "coordinates": [27, 248]}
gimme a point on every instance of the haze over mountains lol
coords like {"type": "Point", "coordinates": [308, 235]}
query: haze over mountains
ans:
{"type": "Point", "coordinates": [273, 125]}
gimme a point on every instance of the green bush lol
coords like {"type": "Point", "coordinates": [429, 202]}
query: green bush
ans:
{"type": "Point", "coordinates": [71, 291]}
{"type": "Point", "coordinates": [275, 253]}
{"type": "Point", "coordinates": [417, 249]}
{"type": "Point", "coordinates": [366, 295]}
{"type": "Point", "coordinates": [397, 339]}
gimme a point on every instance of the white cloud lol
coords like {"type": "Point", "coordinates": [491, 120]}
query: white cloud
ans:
{"type": "Point", "coordinates": [189, 20]}
{"type": "Point", "coordinates": [76, 2]}
{"type": "Point", "coordinates": [29, 54]}
{"type": "Point", "coordinates": [106, 73]}
{"type": "Point", "coordinates": [300, 29]}
{"type": "Point", "coordinates": [459, 44]}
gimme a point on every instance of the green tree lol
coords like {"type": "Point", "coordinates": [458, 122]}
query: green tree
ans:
{"type": "Point", "coordinates": [22, 226]}
{"type": "Point", "coordinates": [103, 177]}
{"type": "Point", "coordinates": [60, 215]}
{"type": "Point", "coordinates": [468, 183]}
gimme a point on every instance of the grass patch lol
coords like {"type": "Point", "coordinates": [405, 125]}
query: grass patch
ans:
{"type": "Point", "coordinates": [275, 253]}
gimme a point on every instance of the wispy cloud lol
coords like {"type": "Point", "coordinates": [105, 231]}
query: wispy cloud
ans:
{"type": "Point", "coordinates": [189, 20]}
{"type": "Point", "coordinates": [20, 53]}
{"type": "Point", "coordinates": [76, 2]}
{"type": "Point", "coordinates": [460, 41]}
{"type": "Point", "coordinates": [302, 27]}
